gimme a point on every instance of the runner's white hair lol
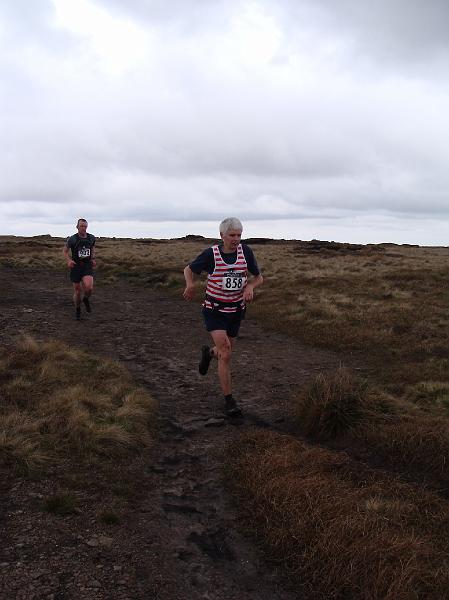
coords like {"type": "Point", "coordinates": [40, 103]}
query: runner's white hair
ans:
{"type": "Point", "coordinates": [230, 223]}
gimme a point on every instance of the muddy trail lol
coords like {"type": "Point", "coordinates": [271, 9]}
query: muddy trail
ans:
{"type": "Point", "coordinates": [179, 537]}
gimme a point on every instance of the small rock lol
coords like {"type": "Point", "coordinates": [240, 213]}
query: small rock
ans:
{"type": "Point", "coordinates": [36, 574]}
{"type": "Point", "coordinates": [105, 541]}
{"type": "Point", "coordinates": [157, 469]}
{"type": "Point", "coordinates": [214, 422]}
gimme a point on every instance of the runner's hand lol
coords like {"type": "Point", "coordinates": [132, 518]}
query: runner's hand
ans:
{"type": "Point", "coordinates": [70, 263]}
{"type": "Point", "coordinates": [248, 294]}
{"type": "Point", "coordinates": [189, 293]}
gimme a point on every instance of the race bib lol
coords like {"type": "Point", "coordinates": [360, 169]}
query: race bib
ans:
{"type": "Point", "coordinates": [233, 281]}
{"type": "Point", "coordinates": [84, 252]}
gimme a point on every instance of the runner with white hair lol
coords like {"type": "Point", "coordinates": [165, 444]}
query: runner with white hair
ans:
{"type": "Point", "coordinates": [227, 291]}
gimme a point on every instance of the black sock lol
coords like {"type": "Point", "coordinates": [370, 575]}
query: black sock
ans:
{"type": "Point", "coordinates": [228, 397]}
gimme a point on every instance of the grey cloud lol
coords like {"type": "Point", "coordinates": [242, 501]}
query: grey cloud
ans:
{"type": "Point", "coordinates": [27, 24]}
{"type": "Point", "coordinates": [184, 135]}
{"type": "Point", "coordinates": [188, 16]}
{"type": "Point", "coordinates": [405, 27]}
{"type": "Point", "coordinates": [25, 19]}
{"type": "Point", "coordinates": [392, 31]}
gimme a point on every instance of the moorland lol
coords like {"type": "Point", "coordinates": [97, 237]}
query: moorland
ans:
{"type": "Point", "coordinates": [120, 471]}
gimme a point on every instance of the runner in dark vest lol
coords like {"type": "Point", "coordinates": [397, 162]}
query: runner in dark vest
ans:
{"type": "Point", "coordinates": [79, 251]}
{"type": "Point", "coordinates": [227, 293]}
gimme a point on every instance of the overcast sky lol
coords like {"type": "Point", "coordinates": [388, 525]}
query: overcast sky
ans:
{"type": "Point", "coordinates": [304, 118]}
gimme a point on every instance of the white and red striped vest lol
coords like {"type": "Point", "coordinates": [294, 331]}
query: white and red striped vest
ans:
{"type": "Point", "coordinates": [225, 285]}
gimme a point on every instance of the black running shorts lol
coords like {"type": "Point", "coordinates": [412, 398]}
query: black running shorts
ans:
{"type": "Point", "coordinates": [80, 270]}
{"type": "Point", "coordinates": [229, 322]}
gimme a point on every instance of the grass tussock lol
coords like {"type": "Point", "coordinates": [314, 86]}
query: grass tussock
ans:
{"type": "Point", "coordinates": [58, 402]}
{"type": "Point", "coordinates": [109, 517]}
{"type": "Point", "coordinates": [61, 504]}
{"type": "Point", "coordinates": [341, 529]}
{"type": "Point", "coordinates": [339, 406]}
{"type": "Point", "coordinates": [331, 405]}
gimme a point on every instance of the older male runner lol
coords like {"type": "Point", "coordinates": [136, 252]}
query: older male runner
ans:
{"type": "Point", "coordinates": [79, 251]}
{"type": "Point", "coordinates": [227, 292]}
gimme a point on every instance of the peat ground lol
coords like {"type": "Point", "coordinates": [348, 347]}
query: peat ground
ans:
{"type": "Point", "coordinates": [178, 535]}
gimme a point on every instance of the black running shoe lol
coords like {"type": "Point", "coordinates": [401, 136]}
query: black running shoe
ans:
{"type": "Point", "coordinates": [78, 313]}
{"type": "Point", "coordinates": [231, 407]}
{"type": "Point", "coordinates": [206, 357]}
{"type": "Point", "coordinates": [87, 304]}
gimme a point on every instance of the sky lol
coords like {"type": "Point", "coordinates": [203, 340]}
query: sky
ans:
{"type": "Point", "coordinates": [306, 119]}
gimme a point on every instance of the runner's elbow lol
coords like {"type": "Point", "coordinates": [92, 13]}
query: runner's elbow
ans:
{"type": "Point", "coordinates": [188, 274]}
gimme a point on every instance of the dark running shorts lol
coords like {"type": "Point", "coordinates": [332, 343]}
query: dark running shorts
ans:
{"type": "Point", "coordinates": [225, 322]}
{"type": "Point", "coordinates": [79, 271]}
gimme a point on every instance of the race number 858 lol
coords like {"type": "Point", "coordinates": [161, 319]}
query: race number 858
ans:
{"type": "Point", "coordinates": [232, 283]}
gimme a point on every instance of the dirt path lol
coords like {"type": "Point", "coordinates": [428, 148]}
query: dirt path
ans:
{"type": "Point", "coordinates": [179, 538]}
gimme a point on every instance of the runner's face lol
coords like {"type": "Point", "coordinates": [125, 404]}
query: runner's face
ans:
{"type": "Point", "coordinates": [231, 239]}
{"type": "Point", "coordinates": [82, 228]}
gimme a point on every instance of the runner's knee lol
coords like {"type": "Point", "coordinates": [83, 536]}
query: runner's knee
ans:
{"type": "Point", "coordinates": [224, 352]}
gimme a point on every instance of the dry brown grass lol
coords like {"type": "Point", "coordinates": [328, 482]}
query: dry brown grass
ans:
{"type": "Point", "coordinates": [57, 402]}
{"type": "Point", "coordinates": [386, 303]}
{"type": "Point", "coordinates": [341, 409]}
{"type": "Point", "coordinates": [154, 262]}
{"type": "Point", "coordinates": [341, 529]}
{"type": "Point", "coordinates": [331, 405]}
{"type": "Point", "coordinates": [40, 251]}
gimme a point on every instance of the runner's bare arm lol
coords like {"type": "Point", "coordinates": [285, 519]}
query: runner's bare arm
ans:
{"type": "Point", "coordinates": [248, 294]}
{"type": "Point", "coordinates": [190, 288]}
{"type": "Point", "coordinates": [70, 262]}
